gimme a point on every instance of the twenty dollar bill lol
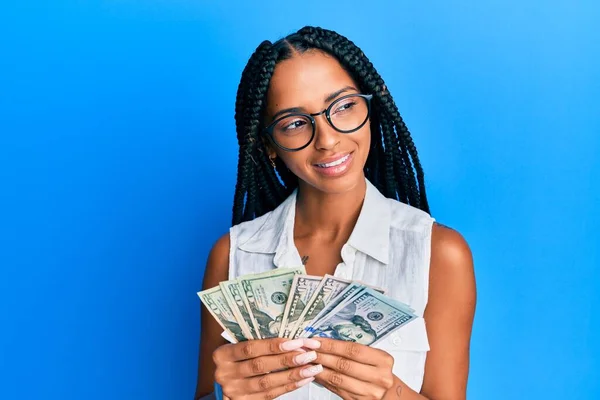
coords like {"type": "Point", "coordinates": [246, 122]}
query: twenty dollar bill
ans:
{"type": "Point", "coordinates": [303, 287]}
{"type": "Point", "coordinates": [265, 296]}
{"type": "Point", "coordinates": [217, 305]}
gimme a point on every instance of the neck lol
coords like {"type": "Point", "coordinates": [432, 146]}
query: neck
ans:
{"type": "Point", "coordinates": [328, 216]}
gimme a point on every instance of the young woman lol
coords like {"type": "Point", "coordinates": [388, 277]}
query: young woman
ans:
{"type": "Point", "coordinates": [329, 177]}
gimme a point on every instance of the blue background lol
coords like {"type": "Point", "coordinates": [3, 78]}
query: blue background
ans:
{"type": "Point", "coordinates": [118, 160]}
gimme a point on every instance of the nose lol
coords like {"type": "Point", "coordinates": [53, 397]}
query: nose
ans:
{"type": "Point", "coordinates": [326, 138]}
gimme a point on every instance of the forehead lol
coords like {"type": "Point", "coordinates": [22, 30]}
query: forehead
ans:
{"type": "Point", "coordinates": [305, 80]}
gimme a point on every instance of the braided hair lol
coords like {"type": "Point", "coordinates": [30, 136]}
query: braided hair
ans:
{"type": "Point", "coordinates": [392, 164]}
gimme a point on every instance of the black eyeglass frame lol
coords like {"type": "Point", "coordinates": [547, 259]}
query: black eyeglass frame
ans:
{"type": "Point", "coordinates": [269, 129]}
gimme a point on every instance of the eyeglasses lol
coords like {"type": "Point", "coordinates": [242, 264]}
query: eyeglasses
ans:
{"type": "Point", "coordinates": [295, 131]}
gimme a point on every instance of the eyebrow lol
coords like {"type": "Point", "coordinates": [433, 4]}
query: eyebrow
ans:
{"type": "Point", "coordinates": [338, 92]}
{"type": "Point", "coordinates": [327, 99]}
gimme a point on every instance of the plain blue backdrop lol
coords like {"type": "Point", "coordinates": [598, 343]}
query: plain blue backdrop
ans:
{"type": "Point", "coordinates": [118, 163]}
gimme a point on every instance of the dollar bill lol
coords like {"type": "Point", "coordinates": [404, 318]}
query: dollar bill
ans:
{"type": "Point", "coordinates": [217, 305]}
{"type": "Point", "coordinates": [303, 287]}
{"type": "Point", "coordinates": [366, 319]}
{"type": "Point", "coordinates": [327, 290]}
{"type": "Point", "coordinates": [232, 292]}
{"type": "Point", "coordinates": [266, 295]}
{"type": "Point", "coordinates": [331, 303]}
{"type": "Point", "coordinates": [352, 289]}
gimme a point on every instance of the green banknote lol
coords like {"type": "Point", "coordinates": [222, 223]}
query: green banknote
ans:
{"type": "Point", "coordinates": [233, 294]}
{"type": "Point", "coordinates": [217, 305]}
{"type": "Point", "coordinates": [303, 287]}
{"type": "Point", "coordinates": [366, 318]}
{"type": "Point", "coordinates": [265, 296]}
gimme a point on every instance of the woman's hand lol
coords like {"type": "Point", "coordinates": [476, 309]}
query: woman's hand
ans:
{"type": "Point", "coordinates": [246, 370]}
{"type": "Point", "coordinates": [354, 371]}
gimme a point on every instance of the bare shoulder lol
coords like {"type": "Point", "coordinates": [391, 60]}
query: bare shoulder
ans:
{"type": "Point", "coordinates": [452, 273]}
{"type": "Point", "coordinates": [450, 252]}
{"type": "Point", "coordinates": [217, 265]}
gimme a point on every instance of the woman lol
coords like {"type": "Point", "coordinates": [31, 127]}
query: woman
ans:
{"type": "Point", "coordinates": [329, 177]}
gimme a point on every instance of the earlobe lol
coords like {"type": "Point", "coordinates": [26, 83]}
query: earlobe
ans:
{"type": "Point", "coordinates": [271, 154]}
{"type": "Point", "coordinates": [269, 148]}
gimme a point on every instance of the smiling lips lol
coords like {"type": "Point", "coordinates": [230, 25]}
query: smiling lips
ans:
{"type": "Point", "coordinates": [335, 162]}
{"type": "Point", "coordinates": [335, 166]}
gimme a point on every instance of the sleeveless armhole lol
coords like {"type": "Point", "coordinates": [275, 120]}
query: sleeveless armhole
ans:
{"type": "Point", "coordinates": [232, 246]}
{"type": "Point", "coordinates": [427, 261]}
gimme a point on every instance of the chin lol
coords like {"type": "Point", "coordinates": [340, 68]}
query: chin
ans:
{"type": "Point", "coordinates": [333, 182]}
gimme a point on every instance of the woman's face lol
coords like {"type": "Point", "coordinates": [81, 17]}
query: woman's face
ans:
{"type": "Point", "coordinates": [334, 161]}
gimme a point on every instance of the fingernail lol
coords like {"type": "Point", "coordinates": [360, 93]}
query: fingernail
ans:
{"type": "Point", "coordinates": [291, 344]}
{"type": "Point", "coordinates": [312, 343]}
{"type": "Point", "coordinates": [305, 358]}
{"type": "Point", "coordinates": [311, 371]}
{"type": "Point", "coordinates": [304, 381]}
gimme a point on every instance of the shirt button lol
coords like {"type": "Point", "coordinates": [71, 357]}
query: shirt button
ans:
{"type": "Point", "coordinates": [396, 339]}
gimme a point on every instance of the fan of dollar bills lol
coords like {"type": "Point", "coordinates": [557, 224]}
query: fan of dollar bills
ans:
{"type": "Point", "coordinates": [287, 303]}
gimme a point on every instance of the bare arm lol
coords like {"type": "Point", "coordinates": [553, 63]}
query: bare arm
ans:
{"type": "Point", "coordinates": [217, 269]}
{"type": "Point", "coordinates": [449, 317]}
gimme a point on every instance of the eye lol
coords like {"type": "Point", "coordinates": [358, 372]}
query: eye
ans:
{"type": "Point", "coordinates": [359, 336]}
{"type": "Point", "coordinates": [291, 125]}
{"type": "Point", "coordinates": [345, 107]}
{"type": "Point", "coordinates": [295, 124]}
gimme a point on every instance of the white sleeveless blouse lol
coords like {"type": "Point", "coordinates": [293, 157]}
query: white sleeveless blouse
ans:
{"type": "Point", "coordinates": [389, 247]}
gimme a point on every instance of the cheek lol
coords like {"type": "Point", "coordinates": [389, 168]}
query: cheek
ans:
{"type": "Point", "coordinates": [295, 161]}
{"type": "Point", "coordinates": [362, 138]}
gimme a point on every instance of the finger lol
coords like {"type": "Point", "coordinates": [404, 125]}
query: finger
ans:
{"type": "Point", "coordinates": [351, 385]}
{"type": "Point", "coordinates": [265, 364]}
{"type": "Point", "coordinates": [276, 379]}
{"type": "Point", "coordinates": [352, 368]}
{"type": "Point", "coordinates": [354, 351]}
{"type": "Point", "coordinates": [280, 390]}
{"type": "Point", "coordinates": [263, 347]}
{"type": "Point", "coordinates": [340, 392]}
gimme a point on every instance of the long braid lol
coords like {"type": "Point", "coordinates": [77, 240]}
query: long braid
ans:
{"type": "Point", "coordinates": [274, 191]}
{"type": "Point", "coordinates": [257, 97]}
{"type": "Point", "coordinates": [257, 182]}
{"type": "Point", "coordinates": [375, 152]}
{"type": "Point", "coordinates": [413, 153]}
{"type": "Point", "coordinates": [392, 166]}
{"type": "Point", "coordinates": [402, 160]}
{"type": "Point", "coordinates": [390, 178]}
{"type": "Point", "coordinates": [289, 179]}
{"type": "Point", "coordinates": [400, 167]}
{"type": "Point", "coordinates": [244, 203]}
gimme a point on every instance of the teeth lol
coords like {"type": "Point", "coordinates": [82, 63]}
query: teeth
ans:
{"type": "Point", "coordinates": [334, 163]}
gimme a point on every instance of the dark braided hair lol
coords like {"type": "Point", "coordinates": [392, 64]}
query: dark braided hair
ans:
{"type": "Point", "coordinates": [392, 164]}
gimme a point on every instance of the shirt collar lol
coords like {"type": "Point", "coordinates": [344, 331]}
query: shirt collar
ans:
{"type": "Point", "coordinates": [371, 234]}
{"type": "Point", "coordinates": [272, 235]}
